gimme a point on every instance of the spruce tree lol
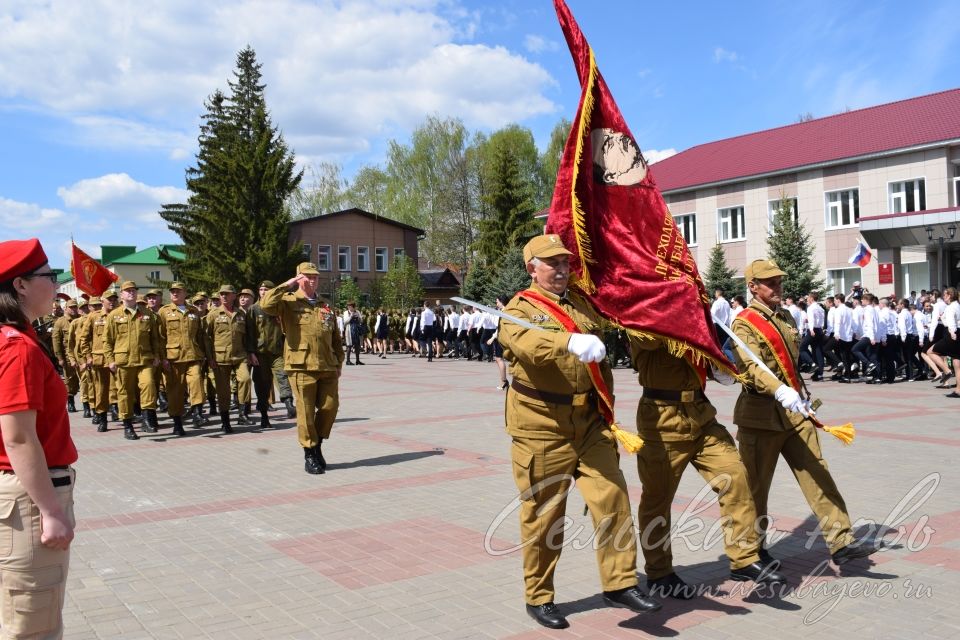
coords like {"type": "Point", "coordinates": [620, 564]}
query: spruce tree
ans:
{"type": "Point", "coordinates": [511, 207]}
{"type": "Point", "coordinates": [401, 286]}
{"type": "Point", "coordinates": [719, 275]}
{"type": "Point", "coordinates": [510, 277]}
{"type": "Point", "coordinates": [791, 247]}
{"type": "Point", "coordinates": [234, 223]}
{"type": "Point", "coordinates": [476, 285]}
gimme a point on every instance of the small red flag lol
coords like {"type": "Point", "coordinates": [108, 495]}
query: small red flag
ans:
{"type": "Point", "coordinates": [91, 277]}
{"type": "Point", "coordinates": [630, 260]}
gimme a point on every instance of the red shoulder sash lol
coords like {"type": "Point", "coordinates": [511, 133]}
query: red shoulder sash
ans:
{"type": "Point", "coordinates": [769, 334]}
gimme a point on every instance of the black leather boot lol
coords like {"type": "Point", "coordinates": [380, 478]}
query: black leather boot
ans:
{"type": "Point", "coordinates": [291, 408]}
{"type": "Point", "coordinates": [213, 406]}
{"type": "Point", "coordinates": [319, 454]}
{"type": "Point", "coordinates": [95, 419]}
{"type": "Point", "coordinates": [178, 426]}
{"type": "Point", "coordinates": [114, 414]}
{"type": "Point", "coordinates": [235, 402]}
{"type": "Point", "coordinates": [102, 422]}
{"type": "Point", "coordinates": [199, 420]}
{"type": "Point", "coordinates": [225, 423]}
{"type": "Point", "coordinates": [264, 419]}
{"type": "Point", "coordinates": [243, 417]}
{"type": "Point", "coordinates": [150, 423]}
{"type": "Point", "coordinates": [86, 409]}
{"type": "Point", "coordinates": [128, 431]}
{"type": "Point", "coordinates": [310, 463]}
{"type": "Point", "coordinates": [71, 405]}
{"type": "Point", "coordinates": [162, 402]}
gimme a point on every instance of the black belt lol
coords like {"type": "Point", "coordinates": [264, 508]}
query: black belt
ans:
{"type": "Point", "coordinates": [674, 396]}
{"type": "Point", "coordinates": [577, 399]}
{"type": "Point", "coordinates": [62, 481]}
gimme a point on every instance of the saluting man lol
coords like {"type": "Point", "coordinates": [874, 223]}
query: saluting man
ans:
{"type": "Point", "coordinates": [559, 435]}
{"type": "Point", "coordinates": [773, 418]}
{"type": "Point", "coordinates": [132, 351]}
{"type": "Point", "coordinates": [269, 339]}
{"type": "Point", "coordinates": [229, 346]}
{"type": "Point", "coordinates": [312, 356]}
{"type": "Point", "coordinates": [182, 351]}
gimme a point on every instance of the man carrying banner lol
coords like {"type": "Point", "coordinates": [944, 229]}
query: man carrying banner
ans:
{"type": "Point", "coordinates": [773, 418]}
{"type": "Point", "coordinates": [559, 435]}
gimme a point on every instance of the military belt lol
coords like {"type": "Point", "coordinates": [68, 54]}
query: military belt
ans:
{"type": "Point", "coordinates": [670, 395]}
{"type": "Point", "coordinates": [576, 399]}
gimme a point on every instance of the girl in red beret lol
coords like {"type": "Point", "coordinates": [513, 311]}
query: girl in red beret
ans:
{"type": "Point", "coordinates": [36, 451]}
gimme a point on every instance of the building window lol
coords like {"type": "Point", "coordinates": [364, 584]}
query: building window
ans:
{"type": "Point", "coordinates": [841, 280]}
{"type": "Point", "coordinates": [343, 258]}
{"type": "Point", "coordinates": [956, 190]}
{"type": "Point", "coordinates": [730, 224]}
{"type": "Point", "coordinates": [363, 258]}
{"type": "Point", "coordinates": [323, 257]}
{"type": "Point", "coordinates": [154, 276]}
{"type": "Point", "coordinates": [773, 208]}
{"type": "Point", "coordinates": [381, 258]}
{"type": "Point", "coordinates": [307, 252]}
{"type": "Point", "coordinates": [397, 252]}
{"type": "Point", "coordinates": [906, 196]}
{"type": "Point", "coordinates": [687, 224]}
{"type": "Point", "coordinates": [843, 208]}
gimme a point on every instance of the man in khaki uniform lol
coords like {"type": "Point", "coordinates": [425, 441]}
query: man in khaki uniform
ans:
{"type": "Point", "coordinates": [73, 346]}
{"type": "Point", "coordinates": [132, 351]}
{"type": "Point", "coordinates": [154, 300]}
{"type": "Point", "coordinates": [559, 435]}
{"type": "Point", "coordinates": [269, 365]}
{"type": "Point", "coordinates": [679, 427]}
{"type": "Point", "coordinates": [61, 350]}
{"type": "Point", "coordinates": [772, 419]}
{"type": "Point", "coordinates": [201, 302]}
{"type": "Point", "coordinates": [312, 357]}
{"type": "Point", "coordinates": [182, 351]}
{"type": "Point", "coordinates": [228, 347]}
{"type": "Point", "coordinates": [92, 348]}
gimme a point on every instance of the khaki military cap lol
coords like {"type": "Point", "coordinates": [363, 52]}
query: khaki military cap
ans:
{"type": "Point", "coordinates": [198, 298]}
{"type": "Point", "coordinates": [109, 293]}
{"type": "Point", "coordinates": [177, 285]}
{"type": "Point", "coordinates": [268, 284]}
{"type": "Point", "coordinates": [141, 300]}
{"type": "Point", "coordinates": [543, 247]}
{"type": "Point", "coordinates": [83, 302]}
{"type": "Point", "coordinates": [762, 269]}
{"type": "Point", "coordinates": [201, 294]}
{"type": "Point", "coordinates": [128, 284]}
{"type": "Point", "coordinates": [154, 292]}
{"type": "Point", "coordinates": [226, 288]}
{"type": "Point", "coordinates": [248, 292]}
{"type": "Point", "coordinates": [71, 303]}
{"type": "Point", "coordinates": [308, 268]}
{"type": "Point", "coordinates": [95, 301]}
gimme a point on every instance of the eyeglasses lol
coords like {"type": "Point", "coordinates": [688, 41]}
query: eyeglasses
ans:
{"type": "Point", "coordinates": [51, 275]}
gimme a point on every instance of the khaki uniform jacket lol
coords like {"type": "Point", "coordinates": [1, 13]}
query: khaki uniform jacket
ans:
{"type": "Point", "coordinates": [757, 408]}
{"type": "Point", "coordinates": [93, 336]}
{"type": "Point", "coordinates": [540, 359]}
{"type": "Point", "coordinates": [229, 336]}
{"type": "Point", "coordinates": [181, 334]}
{"type": "Point", "coordinates": [73, 339]}
{"type": "Point", "coordinates": [61, 348]}
{"type": "Point", "coordinates": [269, 335]}
{"type": "Point", "coordinates": [662, 420]}
{"type": "Point", "coordinates": [312, 341]}
{"type": "Point", "coordinates": [132, 338]}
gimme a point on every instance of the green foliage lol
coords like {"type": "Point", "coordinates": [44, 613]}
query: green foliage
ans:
{"type": "Point", "coordinates": [327, 192]}
{"type": "Point", "coordinates": [791, 247]}
{"type": "Point", "coordinates": [478, 282]}
{"type": "Point", "coordinates": [511, 201]}
{"type": "Point", "coordinates": [401, 287]}
{"type": "Point", "coordinates": [550, 160]}
{"type": "Point", "coordinates": [234, 223]}
{"type": "Point", "coordinates": [348, 291]}
{"type": "Point", "coordinates": [719, 275]}
{"type": "Point", "coordinates": [510, 277]}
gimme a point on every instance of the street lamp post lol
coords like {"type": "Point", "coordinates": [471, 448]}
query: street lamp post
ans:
{"type": "Point", "coordinates": [951, 232]}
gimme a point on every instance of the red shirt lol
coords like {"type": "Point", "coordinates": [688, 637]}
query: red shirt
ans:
{"type": "Point", "coordinates": [28, 381]}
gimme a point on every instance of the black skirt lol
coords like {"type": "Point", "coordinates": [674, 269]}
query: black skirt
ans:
{"type": "Point", "coordinates": [947, 346]}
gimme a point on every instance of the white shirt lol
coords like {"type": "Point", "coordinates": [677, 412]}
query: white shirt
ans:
{"type": "Point", "coordinates": [804, 325]}
{"type": "Point", "coordinates": [452, 321]}
{"type": "Point", "coordinates": [427, 318]}
{"type": "Point", "coordinates": [720, 311]}
{"type": "Point", "coordinates": [843, 324]}
{"type": "Point", "coordinates": [797, 316]}
{"type": "Point", "coordinates": [815, 316]}
{"type": "Point", "coordinates": [871, 325]}
{"type": "Point", "coordinates": [888, 321]}
{"type": "Point", "coordinates": [858, 321]}
{"type": "Point", "coordinates": [920, 321]}
{"type": "Point", "coordinates": [905, 324]}
{"type": "Point", "coordinates": [950, 317]}
{"type": "Point", "coordinates": [464, 322]}
{"type": "Point", "coordinates": [935, 319]}
{"type": "Point", "coordinates": [489, 321]}
{"type": "Point", "coordinates": [476, 319]}
{"type": "Point", "coordinates": [734, 312]}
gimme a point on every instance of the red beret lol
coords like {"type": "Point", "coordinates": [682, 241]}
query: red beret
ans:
{"type": "Point", "coordinates": [20, 257]}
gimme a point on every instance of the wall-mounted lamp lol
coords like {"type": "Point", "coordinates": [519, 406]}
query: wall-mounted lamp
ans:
{"type": "Point", "coordinates": [929, 231]}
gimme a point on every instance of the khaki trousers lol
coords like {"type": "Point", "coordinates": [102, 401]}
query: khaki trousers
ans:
{"type": "Point", "coordinates": [222, 374]}
{"type": "Point", "coordinates": [318, 399]}
{"type": "Point", "coordinates": [104, 391]}
{"type": "Point", "coordinates": [70, 378]}
{"type": "Point", "coordinates": [33, 578]}
{"type": "Point", "coordinates": [760, 450]}
{"type": "Point", "coordinates": [136, 384]}
{"type": "Point", "coordinates": [713, 454]}
{"type": "Point", "coordinates": [86, 385]}
{"type": "Point", "coordinates": [181, 380]}
{"type": "Point", "coordinates": [542, 470]}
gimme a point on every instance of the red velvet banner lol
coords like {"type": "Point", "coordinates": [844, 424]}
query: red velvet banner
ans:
{"type": "Point", "coordinates": [630, 259]}
{"type": "Point", "coordinates": [91, 277]}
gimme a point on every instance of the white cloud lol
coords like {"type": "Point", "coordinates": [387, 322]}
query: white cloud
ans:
{"type": "Point", "coordinates": [656, 155]}
{"type": "Point", "coordinates": [19, 219]}
{"type": "Point", "coordinates": [338, 72]}
{"type": "Point", "coordinates": [722, 55]}
{"type": "Point", "coordinates": [538, 44]}
{"type": "Point", "coordinates": [118, 196]}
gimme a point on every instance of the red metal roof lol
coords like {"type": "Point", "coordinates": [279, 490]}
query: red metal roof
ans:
{"type": "Point", "coordinates": [897, 125]}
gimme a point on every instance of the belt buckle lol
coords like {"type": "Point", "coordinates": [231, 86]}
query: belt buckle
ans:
{"type": "Point", "coordinates": [688, 396]}
{"type": "Point", "coordinates": [579, 399]}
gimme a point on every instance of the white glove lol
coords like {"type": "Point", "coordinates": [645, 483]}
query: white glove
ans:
{"type": "Point", "coordinates": [587, 347]}
{"type": "Point", "coordinates": [791, 400]}
{"type": "Point", "coordinates": [721, 375]}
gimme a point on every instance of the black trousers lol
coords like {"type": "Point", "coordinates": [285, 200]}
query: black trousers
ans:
{"type": "Point", "coordinates": [909, 351]}
{"type": "Point", "coordinates": [866, 354]}
{"type": "Point", "coordinates": [890, 355]}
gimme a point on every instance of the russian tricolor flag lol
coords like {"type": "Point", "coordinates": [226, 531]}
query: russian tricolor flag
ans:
{"type": "Point", "coordinates": [861, 255]}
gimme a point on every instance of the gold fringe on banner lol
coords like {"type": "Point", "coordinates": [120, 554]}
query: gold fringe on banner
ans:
{"type": "Point", "coordinates": [627, 439]}
{"type": "Point", "coordinates": [577, 214]}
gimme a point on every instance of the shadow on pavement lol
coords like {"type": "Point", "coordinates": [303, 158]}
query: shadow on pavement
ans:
{"type": "Point", "coordinates": [395, 458]}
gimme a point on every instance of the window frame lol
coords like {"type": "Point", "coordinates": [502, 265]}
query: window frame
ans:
{"type": "Point", "coordinates": [377, 255]}
{"type": "Point", "coordinates": [307, 250]}
{"type": "Point", "coordinates": [771, 208]}
{"type": "Point", "coordinates": [839, 206]}
{"type": "Point", "coordinates": [720, 224]}
{"type": "Point", "coordinates": [956, 190]}
{"type": "Point", "coordinates": [920, 194]}
{"type": "Point", "coordinates": [681, 227]}
{"type": "Point", "coordinates": [329, 256]}
{"type": "Point", "coordinates": [363, 251]}
{"type": "Point", "coordinates": [397, 252]}
{"type": "Point", "coordinates": [340, 256]}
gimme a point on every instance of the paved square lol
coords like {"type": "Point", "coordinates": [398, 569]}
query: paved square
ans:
{"type": "Point", "coordinates": [408, 534]}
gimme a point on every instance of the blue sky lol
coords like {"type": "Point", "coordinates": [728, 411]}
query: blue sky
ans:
{"type": "Point", "coordinates": [99, 100]}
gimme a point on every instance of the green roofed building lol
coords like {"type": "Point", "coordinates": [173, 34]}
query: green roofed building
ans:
{"type": "Point", "coordinates": [149, 268]}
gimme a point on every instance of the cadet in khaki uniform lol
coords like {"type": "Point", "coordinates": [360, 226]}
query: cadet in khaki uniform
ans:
{"type": "Point", "coordinates": [61, 350]}
{"type": "Point", "coordinates": [182, 350]}
{"type": "Point", "coordinates": [92, 347]}
{"type": "Point", "coordinates": [228, 347]}
{"type": "Point", "coordinates": [312, 357]}
{"type": "Point", "coordinates": [132, 349]}
{"type": "Point", "coordinates": [202, 303]}
{"type": "Point", "coordinates": [559, 434]}
{"type": "Point", "coordinates": [73, 345]}
{"type": "Point", "coordinates": [679, 428]}
{"type": "Point", "coordinates": [772, 419]}
{"type": "Point", "coordinates": [269, 365]}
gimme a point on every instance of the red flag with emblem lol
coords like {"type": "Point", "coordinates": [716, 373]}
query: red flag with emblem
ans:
{"type": "Point", "coordinates": [629, 258]}
{"type": "Point", "coordinates": [91, 277]}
